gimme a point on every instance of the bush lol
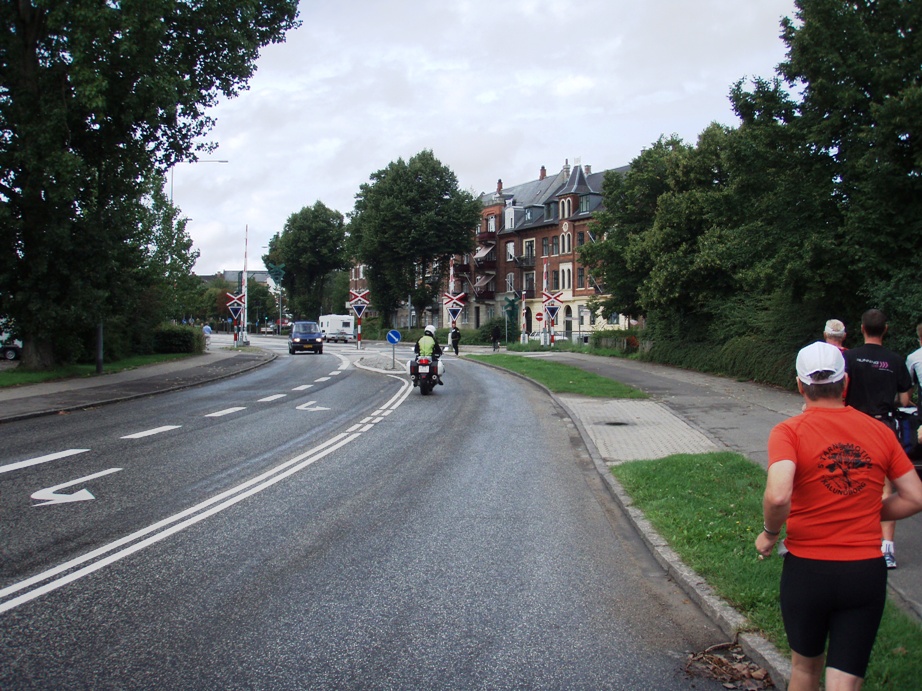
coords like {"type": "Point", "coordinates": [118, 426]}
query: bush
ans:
{"type": "Point", "coordinates": [173, 338]}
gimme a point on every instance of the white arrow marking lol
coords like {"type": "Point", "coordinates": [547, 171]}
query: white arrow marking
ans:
{"type": "Point", "coordinates": [147, 433]}
{"type": "Point", "coordinates": [40, 459]}
{"type": "Point", "coordinates": [306, 406]}
{"type": "Point", "coordinates": [50, 496]}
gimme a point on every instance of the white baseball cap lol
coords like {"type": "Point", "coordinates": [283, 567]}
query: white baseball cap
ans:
{"type": "Point", "coordinates": [820, 357]}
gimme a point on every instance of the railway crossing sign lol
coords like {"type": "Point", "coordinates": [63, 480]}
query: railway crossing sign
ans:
{"type": "Point", "coordinates": [359, 296]}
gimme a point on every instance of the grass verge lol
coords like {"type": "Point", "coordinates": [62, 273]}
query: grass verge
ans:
{"type": "Point", "coordinates": [19, 376]}
{"type": "Point", "coordinates": [709, 508]}
{"type": "Point", "coordinates": [561, 378]}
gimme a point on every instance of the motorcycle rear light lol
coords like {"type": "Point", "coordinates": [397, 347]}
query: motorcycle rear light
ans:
{"type": "Point", "coordinates": [424, 361]}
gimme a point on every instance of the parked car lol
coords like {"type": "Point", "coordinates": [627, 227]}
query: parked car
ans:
{"type": "Point", "coordinates": [305, 336]}
{"type": "Point", "coordinates": [11, 350]}
{"type": "Point", "coordinates": [340, 336]}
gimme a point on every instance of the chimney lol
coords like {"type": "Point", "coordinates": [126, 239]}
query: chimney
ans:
{"type": "Point", "coordinates": [566, 167]}
{"type": "Point", "coordinates": [499, 186]}
{"type": "Point", "coordinates": [587, 169]}
{"type": "Point", "coordinates": [543, 173]}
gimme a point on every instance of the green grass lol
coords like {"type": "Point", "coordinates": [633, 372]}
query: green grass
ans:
{"type": "Point", "coordinates": [19, 376]}
{"type": "Point", "coordinates": [709, 508]}
{"type": "Point", "coordinates": [561, 378]}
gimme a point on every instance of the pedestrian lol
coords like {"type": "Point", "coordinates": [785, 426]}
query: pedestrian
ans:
{"type": "Point", "coordinates": [455, 338]}
{"type": "Point", "coordinates": [878, 383]}
{"type": "Point", "coordinates": [494, 336]}
{"type": "Point", "coordinates": [206, 329]}
{"type": "Point", "coordinates": [834, 333]}
{"type": "Point", "coordinates": [826, 471]}
{"type": "Point", "coordinates": [914, 365]}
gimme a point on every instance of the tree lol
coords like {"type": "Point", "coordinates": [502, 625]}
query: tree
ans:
{"type": "Point", "coordinates": [95, 98]}
{"type": "Point", "coordinates": [311, 246]}
{"type": "Point", "coordinates": [406, 225]}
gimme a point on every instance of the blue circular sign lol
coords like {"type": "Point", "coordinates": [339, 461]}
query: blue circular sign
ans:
{"type": "Point", "coordinates": [393, 336]}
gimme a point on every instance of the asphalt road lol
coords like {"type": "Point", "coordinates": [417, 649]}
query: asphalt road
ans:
{"type": "Point", "coordinates": [311, 525]}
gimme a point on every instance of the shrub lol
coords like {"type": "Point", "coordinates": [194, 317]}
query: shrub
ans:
{"type": "Point", "coordinates": [173, 338]}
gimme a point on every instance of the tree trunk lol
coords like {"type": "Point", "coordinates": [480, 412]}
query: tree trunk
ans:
{"type": "Point", "coordinates": [37, 354]}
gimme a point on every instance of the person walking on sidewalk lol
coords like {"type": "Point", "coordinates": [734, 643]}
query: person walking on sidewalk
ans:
{"type": "Point", "coordinates": [494, 336]}
{"type": "Point", "coordinates": [454, 337]}
{"type": "Point", "coordinates": [826, 471]}
{"type": "Point", "coordinates": [878, 383]}
{"type": "Point", "coordinates": [834, 333]}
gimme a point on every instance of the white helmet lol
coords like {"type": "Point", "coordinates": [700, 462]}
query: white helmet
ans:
{"type": "Point", "coordinates": [430, 329]}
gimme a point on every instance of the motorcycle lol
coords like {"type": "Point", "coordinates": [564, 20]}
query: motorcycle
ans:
{"type": "Point", "coordinates": [426, 373]}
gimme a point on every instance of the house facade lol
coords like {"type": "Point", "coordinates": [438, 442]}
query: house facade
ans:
{"type": "Point", "coordinates": [527, 245]}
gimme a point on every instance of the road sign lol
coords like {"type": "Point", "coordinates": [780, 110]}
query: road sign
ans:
{"type": "Point", "coordinates": [552, 311]}
{"type": "Point", "coordinates": [454, 299]}
{"type": "Point", "coordinates": [359, 308]}
{"type": "Point", "coordinates": [552, 297]}
{"type": "Point", "coordinates": [454, 312]}
{"type": "Point", "coordinates": [393, 336]}
{"type": "Point", "coordinates": [359, 296]}
{"type": "Point", "coordinates": [539, 316]}
{"type": "Point", "coordinates": [235, 299]}
{"type": "Point", "coordinates": [235, 310]}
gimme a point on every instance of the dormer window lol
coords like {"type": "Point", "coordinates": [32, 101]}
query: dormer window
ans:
{"type": "Point", "coordinates": [584, 204]}
{"type": "Point", "coordinates": [491, 224]}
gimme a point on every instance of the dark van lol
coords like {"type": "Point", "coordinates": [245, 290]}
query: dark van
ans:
{"type": "Point", "coordinates": [305, 336]}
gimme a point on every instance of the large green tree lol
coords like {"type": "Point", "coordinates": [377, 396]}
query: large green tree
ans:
{"type": "Point", "coordinates": [312, 245]}
{"type": "Point", "coordinates": [96, 96]}
{"type": "Point", "coordinates": [406, 225]}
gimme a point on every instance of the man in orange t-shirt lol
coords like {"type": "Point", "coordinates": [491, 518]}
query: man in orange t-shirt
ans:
{"type": "Point", "coordinates": [825, 479]}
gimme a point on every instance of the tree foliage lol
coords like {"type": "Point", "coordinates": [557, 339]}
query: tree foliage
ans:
{"type": "Point", "coordinates": [96, 98]}
{"type": "Point", "coordinates": [311, 246]}
{"type": "Point", "coordinates": [406, 225]}
{"type": "Point", "coordinates": [810, 209]}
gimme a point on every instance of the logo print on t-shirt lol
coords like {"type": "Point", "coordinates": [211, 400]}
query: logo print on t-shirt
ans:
{"type": "Point", "coordinates": [841, 461]}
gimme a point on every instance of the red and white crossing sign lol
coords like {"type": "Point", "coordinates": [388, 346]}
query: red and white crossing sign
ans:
{"type": "Point", "coordinates": [359, 296]}
{"type": "Point", "coordinates": [235, 299]}
{"type": "Point", "coordinates": [552, 297]}
{"type": "Point", "coordinates": [454, 300]}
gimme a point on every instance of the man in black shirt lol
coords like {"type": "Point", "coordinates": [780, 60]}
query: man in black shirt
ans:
{"type": "Point", "coordinates": [878, 381]}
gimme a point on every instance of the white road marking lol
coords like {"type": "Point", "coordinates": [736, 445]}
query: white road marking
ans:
{"type": "Point", "coordinates": [226, 411]}
{"type": "Point", "coordinates": [307, 406]}
{"type": "Point", "coordinates": [273, 397]}
{"type": "Point", "coordinates": [40, 459]}
{"type": "Point", "coordinates": [49, 495]}
{"type": "Point", "coordinates": [323, 379]}
{"type": "Point", "coordinates": [156, 430]}
{"type": "Point", "coordinates": [302, 387]}
{"type": "Point", "coordinates": [333, 374]}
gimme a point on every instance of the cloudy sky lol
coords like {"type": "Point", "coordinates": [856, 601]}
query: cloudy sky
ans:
{"type": "Point", "coordinates": [495, 88]}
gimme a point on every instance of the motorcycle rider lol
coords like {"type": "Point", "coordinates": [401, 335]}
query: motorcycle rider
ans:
{"type": "Point", "coordinates": [428, 346]}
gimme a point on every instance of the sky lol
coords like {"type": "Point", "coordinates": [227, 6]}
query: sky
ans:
{"type": "Point", "coordinates": [494, 88]}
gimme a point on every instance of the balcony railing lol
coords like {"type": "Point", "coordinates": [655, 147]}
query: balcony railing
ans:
{"type": "Point", "coordinates": [482, 295]}
{"type": "Point", "coordinates": [486, 265]}
{"type": "Point", "coordinates": [486, 237]}
{"type": "Point", "coordinates": [526, 261]}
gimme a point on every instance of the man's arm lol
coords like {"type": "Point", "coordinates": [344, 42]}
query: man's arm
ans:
{"type": "Point", "coordinates": [906, 499]}
{"type": "Point", "coordinates": [776, 504]}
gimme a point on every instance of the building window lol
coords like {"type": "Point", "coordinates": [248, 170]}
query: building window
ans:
{"type": "Point", "coordinates": [510, 251]}
{"type": "Point", "coordinates": [548, 212]}
{"type": "Point", "coordinates": [584, 203]}
{"type": "Point", "coordinates": [555, 246]}
{"type": "Point", "coordinates": [581, 277]}
{"type": "Point", "coordinates": [544, 247]}
{"type": "Point", "coordinates": [491, 224]}
{"type": "Point", "coordinates": [580, 239]}
{"type": "Point", "coordinates": [555, 280]}
{"type": "Point", "coordinates": [530, 248]}
{"type": "Point", "coordinates": [510, 282]}
{"type": "Point", "coordinates": [530, 282]}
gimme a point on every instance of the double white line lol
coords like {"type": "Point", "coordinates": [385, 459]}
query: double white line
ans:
{"type": "Point", "coordinates": [84, 565]}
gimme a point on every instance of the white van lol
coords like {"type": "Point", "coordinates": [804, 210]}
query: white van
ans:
{"type": "Point", "coordinates": [337, 327]}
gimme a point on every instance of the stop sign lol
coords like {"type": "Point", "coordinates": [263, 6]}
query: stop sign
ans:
{"type": "Point", "coordinates": [539, 316]}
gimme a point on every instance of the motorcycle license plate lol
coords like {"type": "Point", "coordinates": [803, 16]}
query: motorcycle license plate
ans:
{"type": "Point", "coordinates": [424, 369]}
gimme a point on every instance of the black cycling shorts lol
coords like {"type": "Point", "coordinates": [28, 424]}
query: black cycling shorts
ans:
{"type": "Point", "coordinates": [839, 600]}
